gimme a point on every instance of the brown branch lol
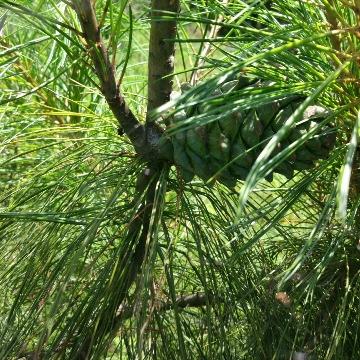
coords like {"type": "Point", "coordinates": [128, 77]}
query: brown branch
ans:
{"type": "Point", "coordinates": [193, 300]}
{"type": "Point", "coordinates": [126, 312]}
{"type": "Point", "coordinates": [333, 22]}
{"type": "Point", "coordinates": [161, 52]}
{"type": "Point", "coordinates": [106, 74]}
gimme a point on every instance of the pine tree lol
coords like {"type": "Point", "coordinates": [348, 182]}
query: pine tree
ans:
{"type": "Point", "coordinates": [180, 180]}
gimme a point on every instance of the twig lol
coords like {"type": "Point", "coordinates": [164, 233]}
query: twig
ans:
{"type": "Point", "coordinates": [214, 29]}
{"type": "Point", "coordinates": [125, 312]}
{"type": "Point", "coordinates": [103, 17]}
{"type": "Point", "coordinates": [192, 300]}
{"type": "Point", "coordinates": [333, 22]}
{"type": "Point", "coordinates": [106, 74]}
{"type": "Point", "coordinates": [17, 8]}
{"type": "Point", "coordinates": [161, 53]}
{"type": "Point", "coordinates": [127, 57]}
{"type": "Point", "coordinates": [41, 92]}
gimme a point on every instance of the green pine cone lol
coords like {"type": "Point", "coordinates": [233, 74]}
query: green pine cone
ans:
{"type": "Point", "coordinates": [266, 113]}
{"type": "Point", "coordinates": [227, 180]}
{"type": "Point", "coordinates": [252, 129]}
{"type": "Point", "coordinates": [200, 166]}
{"type": "Point", "coordinates": [315, 145]}
{"type": "Point", "coordinates": [231, 125]}
{"type": "Point", "coordinates": [240, 156]}
{"type": "Point", "coordinates": [206, 151]}
{"type": "Point", "coordinates": [179, 116]}
{"type": "Point", "coordinates": [196, 141]}
{"type": "Point", "coordinates": [303, 165]}
{"type": "Point", "coordinates": [304, 153]}
{"type": "Point", "coordinates": [281, 117]}
{"type": "Point", "coordinates": [218, 143]}
{"type": "Point", "coordinates": [180, 157]}
{"type": "Point", "coordinates": [220, 171]}
{"type": "Point", "coordinates": [229, 86]}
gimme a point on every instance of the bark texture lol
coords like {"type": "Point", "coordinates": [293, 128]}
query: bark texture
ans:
{"type": "Point", "coordinates": [106, 74]}
{"type": "Point", "coordinates": [161, 52]}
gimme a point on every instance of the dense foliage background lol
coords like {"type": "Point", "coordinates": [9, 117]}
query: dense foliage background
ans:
{"type": "Point", "coordinates": [267, 270]}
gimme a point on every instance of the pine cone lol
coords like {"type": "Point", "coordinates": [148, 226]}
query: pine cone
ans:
{"type": "Point", "coordinates": [226, 149]}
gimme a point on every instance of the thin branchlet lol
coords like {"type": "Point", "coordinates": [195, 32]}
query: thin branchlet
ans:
{"type": "Point", "coordinates": [106, 74]}
{"type": "Point", "coordinates": [161, 52]}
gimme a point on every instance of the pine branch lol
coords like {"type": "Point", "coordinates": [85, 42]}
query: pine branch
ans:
{"type": "Point", "coordinates": [146, 142]}
{"type": "Point", "coordinates": [139, 230]}
{"type": "Point", "coordinates": [161, 52]}
{"type": "Point", "coordinates": [185, 301]}
{"type": "Point", "coordinates": [125, 312]}
{"type": "Point", "coordinates": [106, 74]}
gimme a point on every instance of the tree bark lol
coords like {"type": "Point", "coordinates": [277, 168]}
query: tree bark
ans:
{"type": "Point", "coordinates": [106, 74]}
{"type": "Point", "coordinates": [161, 52]}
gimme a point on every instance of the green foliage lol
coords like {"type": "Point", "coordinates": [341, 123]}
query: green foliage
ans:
{"type": "Point", "coordinates": [276, 265]}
